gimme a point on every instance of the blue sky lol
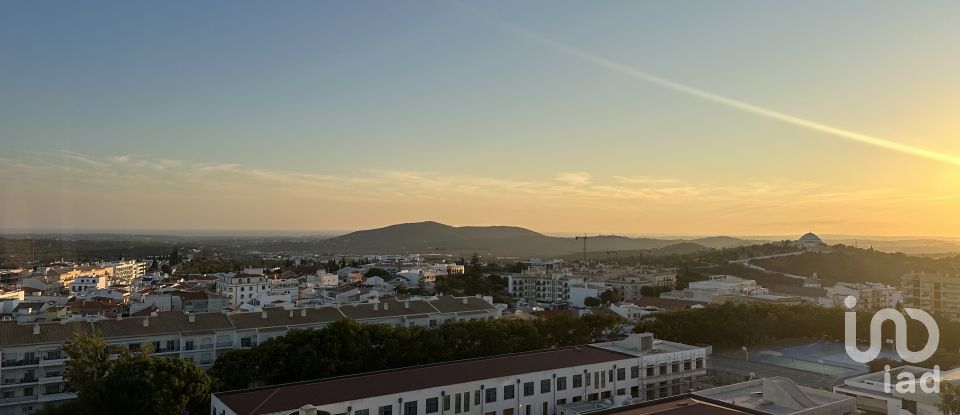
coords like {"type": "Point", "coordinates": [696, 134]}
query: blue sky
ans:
{"type": "Point", "coordinates": [360, 90]}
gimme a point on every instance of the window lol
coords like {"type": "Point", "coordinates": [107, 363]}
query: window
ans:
{"type": "Point", "coordinates": [699, 363]}
{"type": "Point", "coordinates": [675, 367]}
{"type": "Point", "coordinates": [27, 391]}
{"type": "Point", "coordinates": [385, 410]}
{"type": "Point", "coordinates": [491, 395]}
{"type": "Point", "coordinates": [446, 402]}
{"type": "Point", "coordinates": [171, 345]}
{"type": "Point", "coordinates": [621, 373]}
{"type": "Point", "coordinates": [362, 412]}
{"type": "Point", "coordinates": [466, 401]}
{"type": "Point", "coordinates": [432, 405]}
{"type": "Point", "coordinates": [545, 386]}
{"type": "Point", "coordinates": [596, 379]}
{"type": "Point", "coordinates": [188, 345]}
{"type": "Point", "coordinates": [476, 397]}
{"type": "Point", "coordinates": [687, 365]}
{"type": "Point", "coordinates": [650, 372]}
{"type": "Point", "coordinates": [457, 402]}
{"type": "Point", "coordinates": [410, 408]}
{"type": "Point", "coordinates": [634, 372]}
{"type": "Point", "coordinates": [610, 375]}
{"type": "Point", "coordinates": [622, 391]}
{"type": "Point", "coordinates": [245, 342]}
{"type": "Point", "coordinates": [528, 389]}
{"type": "Point", "coordinates": [508, 392]}
{"type": "Point", "coordinates": [663, 369]}
{"type": "Point", "coordinates": [562, 383]}
{"type": "Point", "coordinates": [577, 381]}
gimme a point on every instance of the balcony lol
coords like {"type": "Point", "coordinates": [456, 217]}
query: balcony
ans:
{"type": "Point", "coordinates": [57, 396]}
{"type": "Point", "coordinates": [225, 345]}
{"type": "Point", "coordinates": [21, 362]}
{"type": "Point", "coordinates": [16, 399]}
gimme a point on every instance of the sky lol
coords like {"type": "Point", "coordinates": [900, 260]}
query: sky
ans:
{"type": "Point", "coordinates": [644, 117]}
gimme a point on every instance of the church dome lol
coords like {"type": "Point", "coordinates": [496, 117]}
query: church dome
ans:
{"type": "Point", "coordinates": [811, 238]}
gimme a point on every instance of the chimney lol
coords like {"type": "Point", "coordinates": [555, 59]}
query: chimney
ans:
{"type": "Point", "coordinates": [303, 312]}
{"type": "Point", "coordinates": [146, 322]}
{"type": "Point", "coordinates": [36, 329]}
{"type": "Point", "coordinates": [385, 306]}
{"type": "Point", "coordinates": [263, 314]}
{"type": "Point", "coordinates": [192, 318]}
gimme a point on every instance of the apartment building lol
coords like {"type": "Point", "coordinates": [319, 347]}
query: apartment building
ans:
{"type": "Point", "coordinates": [124, 272]}
{"type": "Point", "coordinates": [542, 287]}
{"type": "Point", "coordinates": [32, 362]}
{"type": "Point", "coordinates": [871, 296]}
{"type": "Point", "coordinates": [532, 383]}
{"type": "Point", "coordinates": [242, 288]}
{"type": "Point", "coordinates": [933, 293]}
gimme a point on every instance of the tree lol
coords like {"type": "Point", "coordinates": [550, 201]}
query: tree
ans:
{"type": "Point", "coordinates": [174, 258]}
{"type": "Point", "coordinates": [949, 398]}
{"type": "Point", "coordinates": [376, 272]}
{"type": "Point", "coordinates": [134, 382]}
{"type": "Point", "coordinates": [592, 302]}
{"type": "Point", "coordinates": [610, 296]}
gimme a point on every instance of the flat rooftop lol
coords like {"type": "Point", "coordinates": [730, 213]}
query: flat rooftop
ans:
{"type": "Point", "coordinates": [670, 406]}
{"type": "Point", "coordinates": [339, 389]}
{"type": "Point", "coordinates": [778, 396]}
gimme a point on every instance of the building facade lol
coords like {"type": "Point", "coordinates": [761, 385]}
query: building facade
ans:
{"type": "Point", "coordinates": [32, 361]}
{"type": "Point", "coordinates": [933, 293]}
{"type": "Point", "coordinates": [533, 383]}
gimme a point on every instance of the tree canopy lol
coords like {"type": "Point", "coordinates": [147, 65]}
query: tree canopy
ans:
{"type": "Point", "coordinates": [346, 347]}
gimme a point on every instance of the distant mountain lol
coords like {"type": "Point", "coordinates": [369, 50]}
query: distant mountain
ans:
{"type": "Point", "coordinates": [907, 246]}
{"type": "Point", "coordinates": [433, 237]}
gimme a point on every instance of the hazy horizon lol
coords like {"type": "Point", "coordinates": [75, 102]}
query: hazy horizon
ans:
{"type": "Point", "coordinates": [643, 118]}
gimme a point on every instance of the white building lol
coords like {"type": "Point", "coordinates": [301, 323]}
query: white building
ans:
{"type": "Point", "coordinates": [87, 283]}
{"type": "Point", "coordinates": [779, 396]}
{"type": "Point", "coordinates": [32, 362]}
{"type": "Point", "coordinates": [242, 288]}
{"type": "Point", "coordinates": [542, 287]}
{"type": "Point", "coordinates": [871, 398]}
{"type": "Point", "coordinates": [580, 292]}
{"type": "Point", "coordinates": [871, 296]}
{"type": "Point", "coordinates": [124, 272]}
{"type": "Point", "coordinates": [532, 383]}
{"type": "Point", "coordinates": [326, 279]}
{"type": "Point", "coordinates": [717, 289]}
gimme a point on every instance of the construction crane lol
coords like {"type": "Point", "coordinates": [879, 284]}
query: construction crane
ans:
{"type": "Point", "coordinates": [584, 237]}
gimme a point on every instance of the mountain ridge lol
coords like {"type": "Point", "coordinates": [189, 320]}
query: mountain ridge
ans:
{"type": "Point", "coordinates": [431, 236]}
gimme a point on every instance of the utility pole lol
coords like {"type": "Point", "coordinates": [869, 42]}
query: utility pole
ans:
{"type": "Point", "coordinates": [584, 237]}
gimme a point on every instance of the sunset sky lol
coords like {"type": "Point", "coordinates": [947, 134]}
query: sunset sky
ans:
{"type": "Point", "coordinates": [643, 117]}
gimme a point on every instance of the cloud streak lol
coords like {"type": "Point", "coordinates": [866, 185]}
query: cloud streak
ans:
{"type": "Point", "coordinates": [705, 95]}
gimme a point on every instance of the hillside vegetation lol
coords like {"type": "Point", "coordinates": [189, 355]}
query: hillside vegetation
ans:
{"type": "Point", "coordinates": [850, 264]}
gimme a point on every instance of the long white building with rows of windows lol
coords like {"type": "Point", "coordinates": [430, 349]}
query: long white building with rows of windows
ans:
{"type": "Point", "coordinates": [638, 369]}
{"type": "Point", "coordinates": [32, 362]}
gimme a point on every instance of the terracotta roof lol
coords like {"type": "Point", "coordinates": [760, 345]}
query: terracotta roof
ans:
{"type": "Point", "coordinates": [13, 334]}
{"type": "Point", "coordinates": [332, 390]}
{"type": "Point", "coordinates": [146, 311]}
{"type": "Point", "coordinates": [451, 304]}
{"type": "Point", "coordinates": [164, 323]}
{"type": "Point", "coordinates": [394, 308]}
{"type": "Point", "coordinates": [280, 317]}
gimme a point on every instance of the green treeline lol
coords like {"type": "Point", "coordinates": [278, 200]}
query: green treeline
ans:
{"type": "Point", "coordinates": [346, 347]}
{"type": "Point", "coordinates": [734, 325]}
